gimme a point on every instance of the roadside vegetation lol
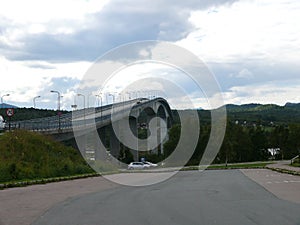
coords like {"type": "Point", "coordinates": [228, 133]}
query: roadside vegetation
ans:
{"type": "Point", "coordinates": [254, 165]}
{"type": "Point", "coordinates": [243, 143]}
{"type": "Point", "coordinates": [30, 113]}
{"type": "Point", "coordinates": [296, 163]}
{"type": "Point", "coordinates": [254, 132]}
{"type": "Point", "coordinates": [27, 155]}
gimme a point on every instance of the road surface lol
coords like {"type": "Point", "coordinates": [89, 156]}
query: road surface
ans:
{"type": "Point", "coordinates": [209, 197]}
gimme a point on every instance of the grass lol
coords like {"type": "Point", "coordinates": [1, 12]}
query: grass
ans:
{"type": "Point", "coordinates": [26, 182]}
{"type": "Point", "coordinates": [256, 165]}
{"type": "Point", "coordinates": [27, 156]}
{"type": "Point", "coordinates": [296, 164]}
{"type": "Point", "coordinates": [240, 166]}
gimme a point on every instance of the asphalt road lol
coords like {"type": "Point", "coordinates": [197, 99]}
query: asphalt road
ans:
{"type": "Point", "coordinates": [209, 197]}
{"type": "Point", "coordinates": [285, 186]}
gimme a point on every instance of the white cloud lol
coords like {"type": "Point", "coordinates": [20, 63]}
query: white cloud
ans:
{"type": "Point", "coordinates": [256, 41]}
{"type": "Point", "coordinates": [24, 80]}
{"type": "Point", "coordinates": [267, 93]}
{"type": "Point", "coordinates": [35, 11]}
{"type": "Point", "coordinates": [247, 30]}
{"type": "Point", "coordinates": [23, 18]}
{"type": "Point", "coordinates": [244, 73]}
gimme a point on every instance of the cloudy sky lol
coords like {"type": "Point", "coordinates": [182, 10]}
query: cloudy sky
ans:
{"type": "Point", "coordinates": [251, 46]}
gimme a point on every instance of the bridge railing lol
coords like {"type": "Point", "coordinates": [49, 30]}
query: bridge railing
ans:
{"type": "Point", "coordinates": [77, 118]}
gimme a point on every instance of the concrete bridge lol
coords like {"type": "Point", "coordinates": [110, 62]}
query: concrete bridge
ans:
{"type": "Point", "coordinates": [113, 122]}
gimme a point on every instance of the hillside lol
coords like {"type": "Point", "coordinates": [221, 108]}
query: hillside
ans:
{"type": "Point", "coordinates": [268, 115]}
{"type": "Point", "coordinates": [5, 106]}
{"type": "Point", "coordinates": [265, 114]}
{"type": "Point", "coordinates": [28, 155]}
{"type": "Point", "coordinates": [29, 113]}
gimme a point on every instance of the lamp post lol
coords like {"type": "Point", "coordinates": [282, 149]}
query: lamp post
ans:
{"type": "Point", "coordinates": [6, 95]}
{"type": "Point", "coordinates": [112, 101]}
{"type": "Point", "coordinates": [34, 100]}
{"type": "Point", "coordinates": [74, 106]}
{"type": "Point", "coordinates": [58, 106]}
{"type": "Point", "coordinates": [100, 97]}
{"type": "Point", "coordinates": [83, 106]}
{"type": "Point", "coordinates": [83, 99]}
{"type": "Point", "coordinates": [113, 96]}
{"type": "Point", "coordinates": [88, 100]}
{"type": "Point", "coordinates": [129, 96]}
{"type": "Point", "coordinates": [58, 99]}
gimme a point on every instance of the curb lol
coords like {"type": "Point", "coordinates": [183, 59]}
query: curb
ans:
{"type": "Point", "coordinates": [284, 171]}
{"type": "Point", "coordinates": [47, 180]}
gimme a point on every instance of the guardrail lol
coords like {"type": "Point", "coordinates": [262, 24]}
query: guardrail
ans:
{"type": "Point", "coordinates": [76, 118]}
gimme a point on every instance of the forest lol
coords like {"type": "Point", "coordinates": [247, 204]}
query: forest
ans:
{"type": "Point", "coordinates": [254, 132]}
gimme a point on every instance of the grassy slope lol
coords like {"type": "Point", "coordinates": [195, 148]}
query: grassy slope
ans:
{"type": "Point", "coordinates": [28, 155]}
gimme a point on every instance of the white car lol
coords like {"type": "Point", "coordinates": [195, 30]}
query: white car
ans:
{"type": "Point", "coordinates": [136, 165]}
{"type": "Point", "coordinates": [150, 164]}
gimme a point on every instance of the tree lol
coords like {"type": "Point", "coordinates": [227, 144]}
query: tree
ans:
{"type": "Point", "coordinates": [174, 135]}
{"type": "Point", "coordinates": [278, 139]}
{"type": "Point", "coordinates": [259, 144]}
{"type": "Point", "coordinates": [293, 142]}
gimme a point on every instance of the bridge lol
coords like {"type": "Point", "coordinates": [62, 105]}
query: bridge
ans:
{"type": "Point", "coordinates": [122, 120]}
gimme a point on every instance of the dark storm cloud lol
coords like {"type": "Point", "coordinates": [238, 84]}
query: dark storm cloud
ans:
{"type": "Point", "coordinates": [118, 23]}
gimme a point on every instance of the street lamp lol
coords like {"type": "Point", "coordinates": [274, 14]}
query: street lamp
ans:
{"type": "Point", "coordinates": [113, 96]}
{"type": "Point", "coordinates": [88, 100]}
{"type": "Point", "coordinates": [83, 107]}
{"type": "Point", "coordinates": [83, 99]}
{"type": "Point", "coordinates": [34, 100]}
{"type": "Point", "coordinates": [100, 97]}
{"type": "Point", "coordinates": [2, 99]}
{"type": "Point", "coordinates": [58, 99]}
{"type": "Point", "coordinates": [58, 106]}
{"type": "Point", "coordinates": [129, 95]}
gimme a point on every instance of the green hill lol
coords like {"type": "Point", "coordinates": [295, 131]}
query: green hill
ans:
{"type": "Point", "coordinates": [30, 113]}
{"type": "Point", "coordinates": [28, 155]}
{"type": "Point", "coordinates": [265, 114]}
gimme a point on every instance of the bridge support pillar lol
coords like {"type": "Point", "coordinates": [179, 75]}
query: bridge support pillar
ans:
{"type": "Point", "coordinates": [162, 127]}
{"type": "Point", "coordinates": [101, 153]}
{"type": "Point", "coordinates": [134, 129]}
{"type": "Point", "coordinates": [114, 143]}
{"type": "Point", "coordinates": [153, 141]}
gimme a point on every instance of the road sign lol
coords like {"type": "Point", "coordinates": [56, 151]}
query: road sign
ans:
{"type": "Point", "coordinates": [10, 112]}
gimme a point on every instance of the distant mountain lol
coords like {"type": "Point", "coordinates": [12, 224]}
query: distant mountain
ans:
{"type": "Point", "coordinates": [246, 107]}
{"type": "Point", "coordinates": [253, 107]}
{"type": "Point", "coordinates": [6, 106]}
{"type": "Point", "coordinates": [258, 114]}
{"type": "Point", "coordinates": [292, 105]}
{"type": "Point", "coordinates": [265, 114]}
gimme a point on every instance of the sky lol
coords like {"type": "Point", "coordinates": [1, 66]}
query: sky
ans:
{"type": "Point", "coordinates": [252, 47]}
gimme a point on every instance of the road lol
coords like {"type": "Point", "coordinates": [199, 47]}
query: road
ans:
{"type": "Point", "coordinates": [209, 197]}
{"type": "Point", "coordinates": [285, 186]}
{"type": "Point", "coordinates": [21, 206]}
